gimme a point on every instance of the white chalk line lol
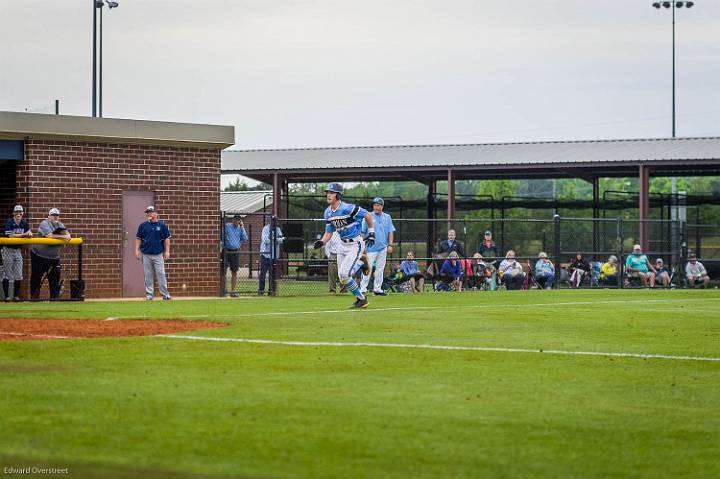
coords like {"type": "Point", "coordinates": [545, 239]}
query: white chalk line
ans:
{"type": "Point", "coordinates": [46, 336]}
{"type": "Point", "coordinates": [450, 348]}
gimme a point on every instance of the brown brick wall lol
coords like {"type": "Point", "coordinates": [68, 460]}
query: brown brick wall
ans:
{"type": "Point", "coordinates": [86, 180]}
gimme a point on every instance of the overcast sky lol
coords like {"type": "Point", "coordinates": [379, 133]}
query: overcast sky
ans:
{"type": "Point", "coordinates": [339, 73]}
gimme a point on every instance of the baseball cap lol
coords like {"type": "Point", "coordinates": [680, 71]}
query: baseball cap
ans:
{"type": "Point", "coordinates": [379, 201]}
{"type": "Point", "coordinates": [488, 232]}
{"type": "Point", "coordinates": [237, 217]}
{"type": "Point", "coordinates": [150, 209]}
{"type": "Point", "coordinates": [636, 247]}
{"type": "Point", "coordinates": [54, 211]}
{"type": "Point", "coordinates": [18, 209]}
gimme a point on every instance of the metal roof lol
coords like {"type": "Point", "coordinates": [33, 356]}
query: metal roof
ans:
{"type": "Point", "coordinates": [244, 201]}
{"type": "Point", "coordinates": [492, 158]}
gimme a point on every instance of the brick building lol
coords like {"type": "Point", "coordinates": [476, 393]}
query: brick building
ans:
{"type": "Point", "coordinates": [101, 173]}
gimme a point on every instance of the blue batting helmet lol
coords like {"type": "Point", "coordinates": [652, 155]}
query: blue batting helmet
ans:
{"type": "Point", "coordinates": [335, 188]}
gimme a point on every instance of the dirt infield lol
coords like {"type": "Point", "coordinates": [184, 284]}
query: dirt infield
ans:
{"type": "Point", "coordinates": [44, 329]}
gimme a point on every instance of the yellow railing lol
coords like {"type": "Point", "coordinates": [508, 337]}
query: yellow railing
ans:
{"type": "Point", "coordinates": [47, 241]}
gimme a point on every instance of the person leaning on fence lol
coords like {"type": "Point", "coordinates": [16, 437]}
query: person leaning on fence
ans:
{"type": "Point", "coordinates": [695, 272]}
{"type": "Point", "coordinates": [152, 247]}
{"type": "Point", "coordinates": [411, 273]}
{"type": "Point", "coordinates": [511, 271]}
{"type": "Point", "coordinates": [451, 244]}
{"type": "Point", "coordinates": [488, 249]}
{"type": "Point", "coordinates": [608, 272]}
{"type": "Point", "coordinates": [235, 234]}
{"type": "Point", "coordinates": [544, 271]}
{"type": "Point", "coordinates": [579, 268]}
{"type": "Point", "coordinates": [637, 265]}
{"type": "Point", "coordinates": [45, 258]}
{"type": "Point", "coordinates": [12, 261]}
{"type": "Point", "coordinates": [662, 274]}
{"type": "Point", "coordinates": [331, 251]}
{"type": "Point", "coordinates": [451, 273]}
{"type": "Point", "coordinates": [268, 253]}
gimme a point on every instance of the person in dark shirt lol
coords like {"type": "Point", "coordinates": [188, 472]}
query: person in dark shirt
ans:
{"type": "Point", "coordinates": [451, 244]}
{"type": "Point", "coordinates": [488, 249]}
{"type": "Point", "coordinates": [662, 274]}
{"type": "Point", "coordinates": [152, 246]}
{"type": "Point", "coordinates": [579, 267]}
{"type": "Point", "coordinates": [12, 261]}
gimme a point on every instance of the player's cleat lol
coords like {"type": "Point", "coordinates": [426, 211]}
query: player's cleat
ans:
{"type": "Point", "coordinates": [380, 293]}
{"type": "Point", "coordinates": [360, 303]}
{"type": "Point", "coordinates": [366, 268]}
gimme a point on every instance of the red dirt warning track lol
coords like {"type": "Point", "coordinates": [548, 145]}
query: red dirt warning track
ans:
{"type": "Point", "coordinates": [39, 329]}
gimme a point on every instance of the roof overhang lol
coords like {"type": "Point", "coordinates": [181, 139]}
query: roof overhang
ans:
{"type": "Point", "coordinates": [22, 126]}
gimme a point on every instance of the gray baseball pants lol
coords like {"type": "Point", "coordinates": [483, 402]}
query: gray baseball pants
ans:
{"type": "Point", "coordinates": [154, 263]}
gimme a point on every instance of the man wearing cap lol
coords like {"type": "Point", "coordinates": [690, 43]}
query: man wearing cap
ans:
{"type": "Point", "coordinates": [637, 265]}
{"type": "Point", "coordinates": [488, 249]}
{"type": "Point", "coordinates": [346, 219]}
{"type": "Point", "coordinates": [380, 248]}
{"type": "Point", "coordinates": [15, 227]}
{"type": "Point", "coordinates": [696, 272]}
{"type": "Point", "coordinates": [234, 236]}
{"type": "Point", "coordinates": [46, 258]}
{"type": "Point", "coordinates": [152, 245]}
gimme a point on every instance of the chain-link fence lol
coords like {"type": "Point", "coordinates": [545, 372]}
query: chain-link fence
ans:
{"type": "Point", "coordinates": [283, 262]}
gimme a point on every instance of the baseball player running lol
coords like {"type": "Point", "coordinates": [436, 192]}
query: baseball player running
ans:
{"type": "Point", "coordinates": [347, 219]}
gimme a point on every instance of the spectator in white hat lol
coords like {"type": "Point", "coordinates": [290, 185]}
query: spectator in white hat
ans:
{"type": "Point", "coordinates": [46, 258]}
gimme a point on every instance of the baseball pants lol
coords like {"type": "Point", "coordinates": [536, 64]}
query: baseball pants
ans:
{"type": "Point", "coordinates": [377, 258]}
{"type": "Point", "coordinates": [12, 264]}
{"type": "Point", "coordinates": [154, 263]}
{"type": "Point", "coordinates": [348, 258]}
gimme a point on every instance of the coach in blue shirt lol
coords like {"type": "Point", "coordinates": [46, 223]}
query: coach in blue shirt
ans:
{"type": "Point", "coordinates": [377, 252]}
{"type": "Point", "coordinates": [152, 246]}
{"type": "Point", "coordinates": [234, 236]}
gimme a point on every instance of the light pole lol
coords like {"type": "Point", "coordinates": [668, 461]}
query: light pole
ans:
{"type": "Point", "coordinates": [98, 6]}
{"type": "Point", "coordinates": [672, 5]}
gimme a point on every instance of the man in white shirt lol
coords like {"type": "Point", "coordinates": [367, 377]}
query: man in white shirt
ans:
{"type": "Point", "coordinates": [696, 272]}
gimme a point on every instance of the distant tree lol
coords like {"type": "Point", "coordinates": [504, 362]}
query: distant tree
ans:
{"type": "Point", "coordinates": [241, 185]}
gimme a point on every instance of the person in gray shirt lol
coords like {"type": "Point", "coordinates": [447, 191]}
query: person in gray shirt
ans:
{"type": "Point", "coordinates": [46, 258]}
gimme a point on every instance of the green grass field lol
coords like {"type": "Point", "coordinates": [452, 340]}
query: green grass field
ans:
{"type": "Point", "coordinates": [167, 407]}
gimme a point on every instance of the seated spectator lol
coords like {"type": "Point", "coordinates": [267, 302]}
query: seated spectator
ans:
{"type": "Point", "coordinates": [544, 271]}
{"type": "Point", "coordinates": [479, 272]}
{"type": "Point", "coordinates": [609, 273]}
{"type": "Point", "coordinates": [696, 272]}
{"type": "Point", "coordinates": [662, 274]}
{"type": "Point", "coordinates": [411, 273]}
{"type": "Point", "coordinates": [451, 272]}
{"type": "Point", "coordinates": [511, 272]}
{"type": "Point", "coordinates": [488, 250]}
{"type": "Point", "coordinates": [637, 265]}
{"type": "Point", "coordinates": [579, 268]}
{"type": "Point", "coordinates": [451, 244]}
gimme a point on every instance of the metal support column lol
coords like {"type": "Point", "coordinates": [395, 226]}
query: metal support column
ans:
{"type": "Point", "coordinates": [596, 215]}
{"type": "Point", "coordinates": [644, 206]}
{"type": "Point", "coordinates": [451, 198]}
{"type": "Point", "coordinates": [432, 224]}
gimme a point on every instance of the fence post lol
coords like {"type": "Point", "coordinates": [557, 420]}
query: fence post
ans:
{"type": "Point", "coordinates": [556, 253]}
{"type": "Point", "coordinates": [273, 256]}
{"type": "Point", "coordinates": [683, 252]}
{"type": "Point", "coordinates": [621, 263]}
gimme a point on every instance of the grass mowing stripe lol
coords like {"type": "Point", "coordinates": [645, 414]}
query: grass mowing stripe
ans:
{"type": "Point", "coordinates": [451, 348]}
{"type": "Point", "coordinates": [418, 308]}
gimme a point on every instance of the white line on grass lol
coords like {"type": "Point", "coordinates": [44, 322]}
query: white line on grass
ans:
{"type": "Point", "coordinates": [451, 348]}
{"type": "Point", "coordinates": [46, 336]}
